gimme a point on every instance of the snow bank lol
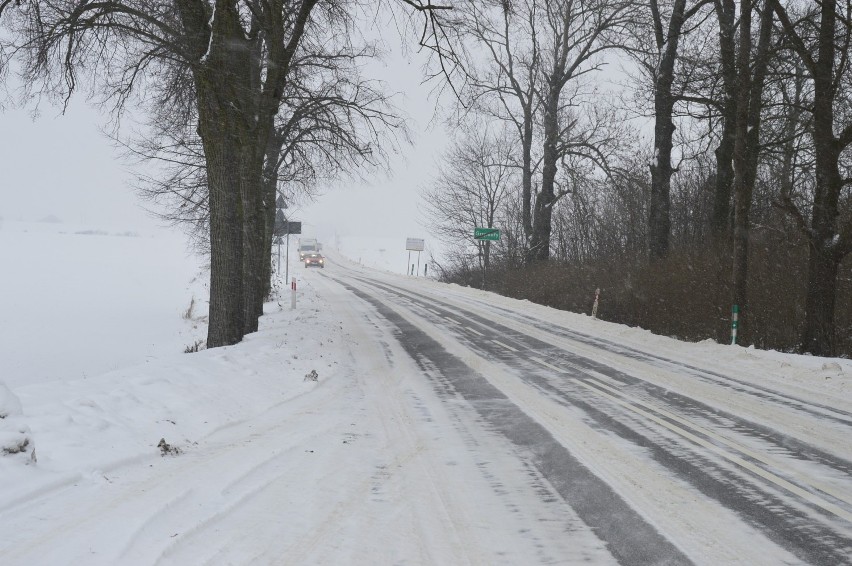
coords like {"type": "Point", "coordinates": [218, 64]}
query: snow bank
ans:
{"type": "Point", "coordinates": [15, 437]}
{"type": "Point", "coordinates": [86, 427]}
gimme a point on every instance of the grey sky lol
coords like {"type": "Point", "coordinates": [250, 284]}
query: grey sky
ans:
{"type": "Point", "coordinates": [62, 165]}
{"type": "Point", "coordinates": [386, 205]}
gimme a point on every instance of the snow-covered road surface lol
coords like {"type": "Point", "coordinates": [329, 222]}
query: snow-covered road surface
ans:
{"type": "Point", "coordinates": [684, 446]}
{"type": "Point", "coordinates": [447, 426]}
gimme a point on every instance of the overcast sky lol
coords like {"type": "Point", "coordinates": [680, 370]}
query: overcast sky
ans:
{"type": "Point", "coordinates": [386, 205]}
{"type": "Point", "coordinates": [61, 165]}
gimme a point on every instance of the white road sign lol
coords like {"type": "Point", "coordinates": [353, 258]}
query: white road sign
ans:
{"type": "Point", "coordinates": [415, 244]}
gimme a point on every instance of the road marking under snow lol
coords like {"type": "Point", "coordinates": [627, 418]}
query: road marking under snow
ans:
{"type": "Point", "coordinates": [454, 321]}
{"type": "Point", "coordinates": [551, 366]}
{"type": "Point", "coordinates": [504, 345]}
{"type": "Point", "coordinates": [600, 389]}
{"type": "Point", "coordinates": [478, 333]}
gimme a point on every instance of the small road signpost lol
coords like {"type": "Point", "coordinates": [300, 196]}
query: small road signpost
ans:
{"type": "Point", "coordinates": [284, 227]}
{"type": "Point", "coordinates": [414, 245]}
{"type": "Point", "coordinates": [486, 234]}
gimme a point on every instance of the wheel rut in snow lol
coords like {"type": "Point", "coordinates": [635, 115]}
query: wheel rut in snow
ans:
{"type": "Point", "coordinates": [630, 538]}
{"type": "Point", "coordinates": [816, 409]}
{"type": "Point", "coordinates": [793, 529]}
{"type": "Point", "coordinates": [685, 405]}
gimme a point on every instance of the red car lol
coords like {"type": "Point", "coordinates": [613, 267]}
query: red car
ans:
{"type": "Point", "coordinates": [315, 260]}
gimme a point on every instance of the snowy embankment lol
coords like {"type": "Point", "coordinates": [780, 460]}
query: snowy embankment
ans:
{"type": "Point", "coordinates": [83, 428]}
{"type": "Point", "coordinates": [76, 425]}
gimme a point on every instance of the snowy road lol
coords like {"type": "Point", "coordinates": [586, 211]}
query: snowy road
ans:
{"type": "Point", "coordinates": [658, 456]}
{"type": "Point", "coordinates": [448, 426]}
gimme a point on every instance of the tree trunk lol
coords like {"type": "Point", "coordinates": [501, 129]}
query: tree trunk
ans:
{"type": "Point", "coordinates": [270, 194]}
{"type": "Point", "coordinates": [720, 221]}
{"type": "Point", "coordinates": [527, 175]}
{"type": "Point", "coordinates": [659, 206]}
{"type": "Point", "coordinates": [659, 219]}
{"type": "Point", "coordinates": [743, 188]}
{"type": "Point", "coordinates": [824, 236]}
{"type": "Point", "coordinates": [543, 214]}
{"type": "Point", "coordinates": [818, 337]}
{"type": "Point", "coordinates": [222, 154]}
{"type": "Point", "coordinates": [254, 235]}
{"type": "Point", "coordinates": [746, 149]}
{"type": "Point", "coordinates": [221, 81]}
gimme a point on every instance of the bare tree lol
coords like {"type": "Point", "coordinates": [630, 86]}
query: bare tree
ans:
{"type": "Point", "coordinates": [332, 123]}
{"type": "Point", "coordinates": [660, 64]}
{"type": "Point", "coordinates": [506, 86]}
{"type": "Point", "coordinates": [471, 190]}
{"type": "Point", "coordinates": [751, 72]}
{"type": "Point", "coordinates": [540, 55]}
{"type": "Point", "coordinates": [236, 55]}
{"type": "Point", "coordinates": [604, 217]}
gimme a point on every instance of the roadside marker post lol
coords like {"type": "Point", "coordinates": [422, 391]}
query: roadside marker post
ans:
{"type": "Point", "coordinates": [595, 304]}
{"type": "Point", "coordinates": [735, 323]}
{"type": "Point", "coordinates": [293, 294]}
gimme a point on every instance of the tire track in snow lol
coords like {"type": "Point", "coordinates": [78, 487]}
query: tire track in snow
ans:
{"type": "Point", "coordinates": [478, 527]}
{"type": "Point", "coordinates": [790, 532]}
{"type": "Point", "coordinates": [630, 538]}
{"type": "Point", "coordinates": [816, 409]}
{"type": "Point", "coordinates": [797, 449]}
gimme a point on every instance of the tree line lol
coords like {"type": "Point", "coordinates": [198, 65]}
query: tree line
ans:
{"type": "Point", "coordinates": [685, 155]}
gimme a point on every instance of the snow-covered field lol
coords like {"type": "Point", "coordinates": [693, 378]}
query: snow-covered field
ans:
{"type": "Point", "coordinates": [118, 448]}
{"type": "Point", "coordinates": [80, 300]}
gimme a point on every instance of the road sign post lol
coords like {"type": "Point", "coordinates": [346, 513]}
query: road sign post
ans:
{"type": "Point", "coordinates": [284, 227]}
{"type": "Point", "coordinates": [414, 245]}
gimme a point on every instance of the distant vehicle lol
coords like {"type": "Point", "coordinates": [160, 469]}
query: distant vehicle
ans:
{"type": "Point", "coordinates": [314, 259]}
{"type": "Point", "coordinates": [307, 246]}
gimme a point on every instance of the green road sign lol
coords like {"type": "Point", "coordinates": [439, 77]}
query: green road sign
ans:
{"type": "Point", "coordinates": [486, 233]}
